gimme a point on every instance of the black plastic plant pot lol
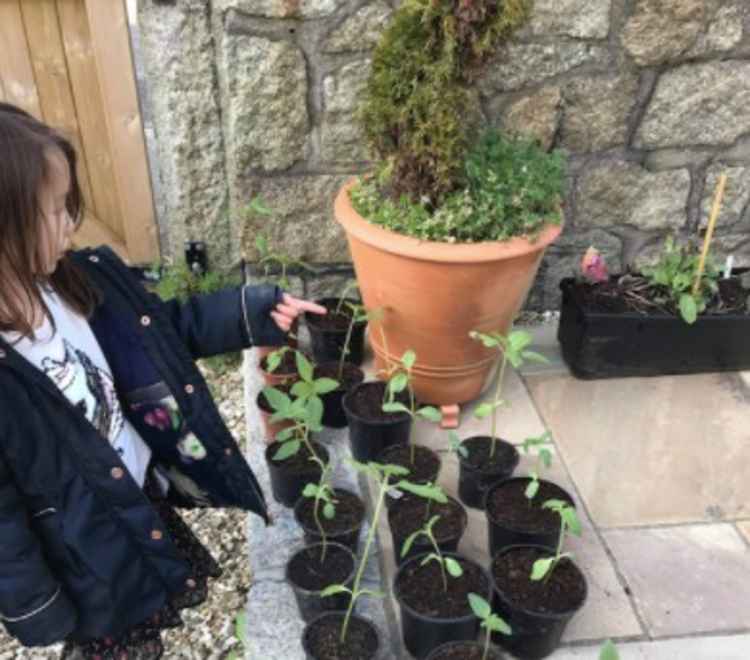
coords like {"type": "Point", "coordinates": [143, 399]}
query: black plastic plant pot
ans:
{"type": "Point", "coordinates": [464, 651]}
{"type": "Point", "coordinates": [421, 633]}
{"type": "Point", "coordinates": [428, 467]}
{"type": "Point", "coordinates": [289, 477]}
{"type": "Point", "coordinates": [616, 345]}
{"type": "Point", "coordinates": [320, 638]}
{"type": "Point", "coordinates": [474, 478]}
{"type": "Point", "coordinates": [502, 534]}
{"type": "Point", "coordinates": [327, 342]}
{"type": "Point", "coordinates": [447, 544]}
{"type": "Point", "coordinates": [333, 408]}
{"type": "Point", "coordinates": [536, 634]}
{"type": "Point", "coordinates": [339, 559]}
{"type": "Point", "coordinates": [370, 437]}
{"type": "Point", "coordinates": [348, 535]}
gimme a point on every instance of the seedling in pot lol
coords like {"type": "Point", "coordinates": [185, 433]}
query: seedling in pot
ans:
{"type": "Point", "coordinates": [309, 387]}
{"type": "Point", "coordinates": [358, 315]}
{"type": "Point", "coordinates": [569, 523]}
{"type": "Point", "coordinates": [275, 357]}
{"type": "Point", "coordinates": [350, 286]}
{"type": "Point", "coordinates": [512, 348]}
{"type": "Point", "coordinates": [448, 565]}
{"type": "Point", "coordinates": [491, 622]}
{"type": "Point", "coordinates": [267, 256]}
{"type": "Point", "coordinates": [544, 458]}
{"type": "Point", "coordinates": [399, 381]}
{"type": "Point", "coordinates": [385, 476]}
{"type": "Point", "coordinates": [323, 493]}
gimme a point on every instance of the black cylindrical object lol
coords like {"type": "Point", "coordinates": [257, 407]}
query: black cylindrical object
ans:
{"type": "Point", "coordinates": [348, 537]}
{"type": "Point", "coordinates": [337, 619]}
{"type": "Point", "coordinates": [437, 654]}
{"type": "Point", "coordinates": [328, 343]}
{"type": "Point", "coordinates": [473, 480]}
{"type": "Point", "coordinates": [287, 484]}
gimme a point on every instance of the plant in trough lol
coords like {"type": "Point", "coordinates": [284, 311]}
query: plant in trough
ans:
{"type": "Point", "coordinates": [543, 458]}
{"type": "Point", "coordinates": [512, 348]}
{"type": "Point", "coordinates": [448, 565]}
{"type": "Point", "coordinates": [386, 476]}
{"type": "Point", "coordinates": [399, 381]}
{"type": "Point", "coordinates": [674, 275]}
{"type": "Point", "coordinates": [569, 523]}
{"type": "Point", "coordinates": [323, 493]}
{"type": "Point", "coordinates": [491, 622]}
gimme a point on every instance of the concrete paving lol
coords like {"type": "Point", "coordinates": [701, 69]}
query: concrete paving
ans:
{"type": "Point", "coordinates": [658, 469]}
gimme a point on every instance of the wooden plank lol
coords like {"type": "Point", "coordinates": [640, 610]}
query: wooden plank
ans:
{"type": "Point", "coordinates": [16, 70]}
{"type": "Point", "coordinates": [90, 112]}
{"type": "Point", "coordinates": [51, 74]}
{"type": "Point", "coordinates": [93, 232]}
{"type": "Point", "coordinates": [111, 43]}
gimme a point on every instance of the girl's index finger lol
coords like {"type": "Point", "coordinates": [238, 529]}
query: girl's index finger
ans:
{"type": "Point", "coordinates": [304, 305]}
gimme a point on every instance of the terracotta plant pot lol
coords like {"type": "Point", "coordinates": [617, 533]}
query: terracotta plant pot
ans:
{"type": "Point", "coordinates": [285, 374]}
{"type": "Point", "coordinates": [271, 429]}
{"type": "Point", "coordinates": [431, 290]}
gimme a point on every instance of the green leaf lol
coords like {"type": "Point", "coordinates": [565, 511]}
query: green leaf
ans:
{"type": "Point", "coordinates": [545, 455]}
{"type": "Point", "coordinates": [571, 519]}
{"type": "Point", "coordinates": [608, 651]}
{"type": "Point", "coordinates": [278, 401]}
{"type": "Point", "coordinates": [329, 511]}
{"type": "Point", "coordinates": [532, 489]}
{"type": "Point", "coordinates": [257, 205]}
{"type": "Point", "coordinates": [428, 492]}
{"type": "Point", "coordinates": [487, 341]}
{"type": "Point", "coordinates": [398, 383]}
{"type": "Point", "coordinates": [314, 413]}
{"type": "Point", "coordinates": [371, 592]}
{"type": "Point", "coordinates": [393, 470]}
{"type": "Point", "coordinates": [286, 450]}
{"type": "Point", "coordinates": [483, 410]}
{"type": "Point", "coordinates": [240, 627]}
{"type": "Point", "coordinates": [409, 542]}
{"type": "Point", "coordinates": [519, 340]}
{"type": "Point", "coordinates": [431, 414]}
{"type": "Point", "coordinates": [325, 385]}
{"type": "Point", "coordinates": [531, 356]}
{"type": "Point", "coordinates": [408, 359]}
{"type": "Point", "coordinates": [285, 434]}
{"type": "Point", "coordinates": [453, 567]}
{"type": "Point", "coordinates": [273, 361]}
{"type": "Point", "coordinates": [302, 389]}
{"type": "Point", "coordinates": [311, 490]}
{"type": "Point", "coordinates": [395, 407]}
{"type": "Point", "coordinates": [304, 368]}
{"type": "Point", "coordinates": [334, 589]}
{"type": "Point", "coordinates": [496, 624]}
{"type": "Point", "coordinates": [479, 606]}
{"type": "Point", "coordinates": [688, 308]}
{"type": "Point", "coordinates": [541, 568]}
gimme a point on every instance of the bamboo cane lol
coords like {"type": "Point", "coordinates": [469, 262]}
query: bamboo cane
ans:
{"type": "Point", "coordinates": [718, 198]}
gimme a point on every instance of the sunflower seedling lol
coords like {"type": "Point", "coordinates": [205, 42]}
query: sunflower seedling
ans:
{"type": "Point", "coordinates": [323, 493]}
{"type": "Point", "coordinates": [400, 380]}
{"type": "Point", "coordinates": [569, 523]}
{"type": "Point", "coordinates": [386, 476]}
{"type": "Point", "coordinates": [448, 565]}
{"type": "Point", "coordinates": [512, 348]}
{"type": "Point", "coordinates": [491, 622]}
{"type": "Point", "coordinates": [544, 458]}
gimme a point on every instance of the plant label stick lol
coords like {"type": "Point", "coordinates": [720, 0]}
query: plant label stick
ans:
{"type": "Point", "coordinates": [718, 198]}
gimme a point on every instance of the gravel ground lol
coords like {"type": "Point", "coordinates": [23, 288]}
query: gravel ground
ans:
{"type": "Point", "coordinates": [208, 630]}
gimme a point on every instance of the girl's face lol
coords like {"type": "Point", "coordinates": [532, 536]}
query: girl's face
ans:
{"type": "Point", "coordinates": [56, 224]}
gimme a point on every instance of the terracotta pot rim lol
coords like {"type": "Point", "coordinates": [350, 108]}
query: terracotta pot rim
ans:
{"type": "Point", "coordinates": [415, 248]}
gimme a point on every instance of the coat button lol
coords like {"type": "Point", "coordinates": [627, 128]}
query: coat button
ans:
{"type": "Point", "coordinates": [117, 473]}
{"type": "Point", "coordinates": [145, 321]}
{"type": "Point", "coordinates": [189, 389]}
{"type": "Point", "coordinates": [228, 451]}
{"type": "Point", "coordinates": [2, 353]}
{"type": "Point", "coordinates": [93, 258]}
{"type": "Point", "coordinates": [156, 535]}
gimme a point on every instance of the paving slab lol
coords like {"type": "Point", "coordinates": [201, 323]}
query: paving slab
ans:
{"type": "Point", "coordinates": [686, 579]}
{"type": "Point", "coordinates": [726, 647]}
{"type": "Point", "coordinates": [652, 450]}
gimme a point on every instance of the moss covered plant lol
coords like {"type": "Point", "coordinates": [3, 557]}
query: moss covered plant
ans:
{"type": "Point", "coordinates": [438, 175]}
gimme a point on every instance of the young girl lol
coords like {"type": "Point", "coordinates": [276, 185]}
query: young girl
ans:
{"type": "Point", "coordinates": [105, 421]}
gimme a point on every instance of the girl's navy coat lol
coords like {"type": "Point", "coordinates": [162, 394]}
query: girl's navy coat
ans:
{"type": "Point", "coordinates": [82, 552]}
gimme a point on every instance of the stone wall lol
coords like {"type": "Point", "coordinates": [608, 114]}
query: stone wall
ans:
{"type": "Point", "coordinates": [650, 98]}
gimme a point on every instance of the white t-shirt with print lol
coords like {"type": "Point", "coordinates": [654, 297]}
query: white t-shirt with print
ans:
{"type": "Point", "coordinates": [73, 360]}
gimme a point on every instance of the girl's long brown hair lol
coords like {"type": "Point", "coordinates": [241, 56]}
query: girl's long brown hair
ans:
{"type": "Point", "coordinates": [24, 167]}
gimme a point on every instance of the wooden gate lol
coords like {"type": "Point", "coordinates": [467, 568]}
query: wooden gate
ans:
{"type": "Point", "coordinates": [69, 63]}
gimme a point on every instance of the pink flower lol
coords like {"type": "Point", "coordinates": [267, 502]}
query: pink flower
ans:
{"type": "Point", "coordinates": [593, 266]}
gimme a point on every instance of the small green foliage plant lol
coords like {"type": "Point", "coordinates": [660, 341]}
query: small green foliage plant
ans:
{"type": "Point", "coordinates": [543, 459]}
{"type": "Point", "coordinates": [448, 565]}
{"type": "Point", "coordinates": [569, 523]}
{"type": "Point", "coordinates": [512, 349]}
{"type": "Point", "coordinates": [358, 315]}
{"type": "Point", "coordinates": [673, 276]}
{"type": "Point", "coordinates": [399, 381]}
{"type": "Point", "coordinates": [386, 477]}
{"type": "Point", "coordinates": [491, 622]}
{"type": "Point", "coordinates": [609, 651]}
{"type": "Point", "coordinates": [240, 632]}
{"type": "Point", "coordinates": [322, 492]}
